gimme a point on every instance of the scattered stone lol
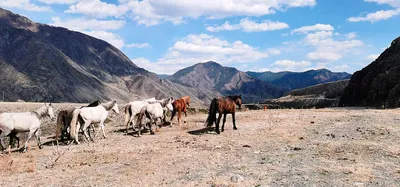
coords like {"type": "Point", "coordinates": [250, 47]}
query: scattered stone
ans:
{"type": "Point", "coordinates": [246, 146]}
{"type": "Point", "coordinates": [297, 148]}
{"type": "Point", "coordinates": [312, 122]}
{"type": "Point", "coordinates": [237, 178]}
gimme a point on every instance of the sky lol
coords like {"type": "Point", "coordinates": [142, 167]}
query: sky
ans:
{"type": "Point", "coordinates": [164, 36]}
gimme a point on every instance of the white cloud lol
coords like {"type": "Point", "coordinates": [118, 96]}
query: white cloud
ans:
{"type": "Point", "coordinates": [274, 51]}
{"type": "Point", "coordinates": [323, 56]}
{"type": "Point", "coordinates": [340, 68]}
{"type": "Point", "coordinates": [381, 14]}
{"type": "Point", "coordinates": [109, 37]}
{"type": "Point", "coordinates": [88, 24]}
{"type": "Point", "coordinates": [95, 28]}
{"type": "Point", "coordinates": [376, 16]}
{"type": "Point", "coordinates": [312, 28]}
{"type": "Point", "coordinates": [201, 48]}
{"type": "Point", "coordinates": [138, 45]}
{"type": "Point", "coordinates": [24, 5]}
{"type": "Point", "coordinates": [393, 3]}
{"type": "Point", "coordinates": [289, 65]}
{"type": "Point", "coordinates": [98, 9]}
{"type": "Point", "coordinates": [327, 47]}
{"type": "Point", "coordinates": [153, 12]}
{"type": "Point", "coordinates": [372, 57]}
{"type": "Point", "coordinates": [156, 67]}
{"type": "Point", "coordinates": [351, 35]}
{"type": "Point", "coordinates": [59, 1]}
{"type": "Point", "coordinates": [247, 25]}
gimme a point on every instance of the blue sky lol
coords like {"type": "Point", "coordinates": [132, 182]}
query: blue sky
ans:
{"type": "Point", "coordinates": [164, 36]}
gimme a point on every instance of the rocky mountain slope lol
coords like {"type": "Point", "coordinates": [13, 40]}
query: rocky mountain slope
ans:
{"type": "Point", "coordinates": [296, 80]}
{"type": "Point", "coordinates": [44, 63]}
{"type": "Point", "coordinates": [319, 96]}
{"type": "Point", "coordinates": [226, 80]}
{"type": "Point", "coordinates": [377, 84]}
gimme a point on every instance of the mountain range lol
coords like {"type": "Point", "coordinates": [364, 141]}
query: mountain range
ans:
{"type": "Point", "coordinates": [39, 62]}
{"type": "Point", "coordinates": [295, 80]}
{"type": "Point", "coordinates": [44, 63]}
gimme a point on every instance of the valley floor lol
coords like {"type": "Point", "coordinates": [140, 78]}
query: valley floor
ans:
{"type": "Point", "coordinates": [324, 147]}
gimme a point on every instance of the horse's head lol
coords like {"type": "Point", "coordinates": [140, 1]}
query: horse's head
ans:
{"type": "Point", "coordinates": [188, 100]}
{"type": "Point", "coordinates": [237, 99]}
{"type": "Point", "coordinates": [49, 109]}
{"type": "Point", "coordinates": [168, 103]}
{"type": "Point", "coordinates": [115, 107]}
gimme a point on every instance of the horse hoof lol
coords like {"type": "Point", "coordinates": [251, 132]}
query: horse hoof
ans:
{"type": "Point", "coordinates": [40, 146]}
{"type": "Point", "coordinates": [184, 121]}
{"type": "Point", "coordinates": [152, 133]}
{"type": "Point", "coordinates": [234, 128]}
{"type": "Point", "coordinates": [222, 130]}
{"type": "Point", "coordinates": [217, 132]}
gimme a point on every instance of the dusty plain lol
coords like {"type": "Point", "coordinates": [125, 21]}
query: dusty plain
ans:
{"type": "Point", "coordinates": [287, 147]}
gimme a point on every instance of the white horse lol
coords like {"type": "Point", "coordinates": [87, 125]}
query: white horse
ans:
{"type": "Point", "coordinates": [132, 109]}
{"type": "Point", "coordinates": [91, 115]}
{"type": "Point", "coordinates": [154, 111]}
{"type": "Point", "coordinates": [13, 123]}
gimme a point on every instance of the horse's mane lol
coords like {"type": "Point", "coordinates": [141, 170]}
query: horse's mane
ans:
{"type": "Point", "coordinates": [109, 105]}
{"type": "Point", "coordinates": [164, 102]}
{"type": "Point", "coordinates": [95, 103]}
{"type": "Point", "coordinates": [234, 97]}
{"type": "Point", "coordinates": [186, 99]}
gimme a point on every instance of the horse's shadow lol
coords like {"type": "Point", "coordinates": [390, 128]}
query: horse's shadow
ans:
{"type": "Point", "coordinates": [202, 131]}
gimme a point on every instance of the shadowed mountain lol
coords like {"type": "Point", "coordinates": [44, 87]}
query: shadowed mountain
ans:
{"type": "Point", "coordinates": [294, 80]}
{"type": "Point", "coordinates": [44, 63]}
{"type": "Point", "coordinates": [319, 96]}
{"type": "Point", "coordinates": [377, 84]}
{"type": "Point", "coordinates": [226, 80]}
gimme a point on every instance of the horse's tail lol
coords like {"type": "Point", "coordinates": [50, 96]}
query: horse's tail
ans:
{"type": "Point", "coordinates": [173, 110]}
{"type": "Point", "coordinates": [75, 115]}
{"type": "Point", "coordinates": [212, 112]}
{"type": "Point", "coordinates": [141, 114]}
{"type": "Point", "coordinates": [128, 114]}
{"type": "Point", "coordinates": [60, 123]}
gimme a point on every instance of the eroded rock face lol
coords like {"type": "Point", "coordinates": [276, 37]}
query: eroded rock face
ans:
{"type": "Point", "coordinates": [44, 63]}
{"type": "Point", "coordinates": [378, 84]}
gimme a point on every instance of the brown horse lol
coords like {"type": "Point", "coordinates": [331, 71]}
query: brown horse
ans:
{"type": "Point", "coordinates": [180, 106]}
{"type": "Point", "coordinates": [226, 105]}
{"type": "Point", "coordinates": [64, 119]}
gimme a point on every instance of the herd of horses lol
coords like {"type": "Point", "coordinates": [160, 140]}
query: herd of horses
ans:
{"type": "Point", "coordinates": [82, 119]}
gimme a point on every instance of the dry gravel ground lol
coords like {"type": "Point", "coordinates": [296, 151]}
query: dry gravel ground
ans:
{"type": "Point", "coordinates": [324, 147]}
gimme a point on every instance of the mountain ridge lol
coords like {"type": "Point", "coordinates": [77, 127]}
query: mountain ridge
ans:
{"type": "Point", "coordinates": [226, 80]}
{"type": "Point", "coordinates": [39, 62]}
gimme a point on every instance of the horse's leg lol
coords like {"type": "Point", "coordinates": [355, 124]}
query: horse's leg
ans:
{"type": "Point", "coordinates": [172, 116]}
{"type": "Point", "coordinates": [131, 121]}
{"type": "Point", "coordinates": [184, 121]}
{"type": "Point", "coordinates": [85, 130]}
{"type": "Point", "coordinates": [223, 123]}
{"type": "Point", "coordinates": [139, 129]}
{"type": "Point", "coordinates": [2, 135]}
{"type": "Point", "coordinates": [37, 135]}
{"type": "Point", "coordinates": [16, 137]}
{"type": "Point", "coordinates": [179, 118]}
{"type": "Point", "coordinates": [217, 123]}
{"type": "Point", "coordinates": [234, 121]}
{"type": "Point", "coordinates": [27, 140]}
{"type": "Point", "coordinates": [102, 128]}
{"type": "Point", "coordinates": [11, 142]}
{"type": "Point", "coordinates": [151, 130]}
